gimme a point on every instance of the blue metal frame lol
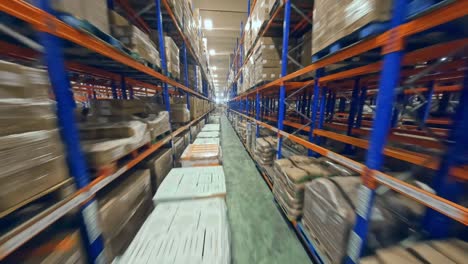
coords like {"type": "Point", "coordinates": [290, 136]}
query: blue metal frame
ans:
{"type": "Point", "coordinates": [186, 79]}
{"type": "Point", "coordinates": [389, 79]}
{"type": "Point", "coordinates": [65, 104]}
{"type": "Point", "coordinates": [323, 101]}
{"type": "Point", "coordinates": [284, 72]}
{"type": "Point", "coordinates": [114, 90]}
{"type": "Point", "coordinates": [362, 102]}
{"type": "Point", "coordinates": [425, 111]}
{"type": "Point", "coordinates": [352, 114]}
{"type": "Point", "coordinates": [313, 113]}
{"type": "Point", "coordinates": [162, 53]}
{"type": "Point", "coordinates": [130, 90]}
{"type": "Point", "coordinates": [123, 87]}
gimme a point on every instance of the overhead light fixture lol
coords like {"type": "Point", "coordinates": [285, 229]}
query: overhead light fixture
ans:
{"type": "Point", "coordinates": [208, 24]}
{"type": "Point", "coordinates": [212, 52]}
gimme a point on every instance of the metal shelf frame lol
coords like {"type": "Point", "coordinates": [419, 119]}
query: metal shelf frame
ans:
{"type": "Point", "coordinates": [375, 83]}
{"type": "Point", "coordinates": [52, 35]}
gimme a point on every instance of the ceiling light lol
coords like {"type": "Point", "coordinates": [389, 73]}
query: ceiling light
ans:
{"type": "Point", "coordinates": [208, 24]}
{"type": "Point", "coordinates": [212, 52]}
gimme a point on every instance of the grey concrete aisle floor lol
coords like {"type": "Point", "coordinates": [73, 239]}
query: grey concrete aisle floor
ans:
{"type": "Point", "coordinates": [259, 234]}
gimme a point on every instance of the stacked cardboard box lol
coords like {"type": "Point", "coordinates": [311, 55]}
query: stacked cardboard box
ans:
{"type": "Point", "coordinates": [265, 150]}
{"type": "Point", "coordinates": [32, 154]}
{"type": "Point", "coordinates": [180, 113]}
{"type": "Point", "coordinates": [159, 166]}
{"type": "Point", "coordinates": [123, 209]}
{"type": "Point", "coordinates": [133, 38]}
{"type": "Point", "coordinates": [172, 57]}
{"type": "Point", "coordinates": [267, 57]}
{"type": "Point", "coordinates": [93, 11]}
{"type": "Point", "coordinates": [201, 155]}
{"type": "Point", "coordinates": [289, 178]}
{"type": "Point", "coordinates": [344, 18]}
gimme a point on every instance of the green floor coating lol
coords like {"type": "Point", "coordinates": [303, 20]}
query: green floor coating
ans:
{"type": "Point", "coordinates": [259, 234]}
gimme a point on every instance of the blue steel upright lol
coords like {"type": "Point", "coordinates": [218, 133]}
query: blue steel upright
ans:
{"type": "Point", "coordinates": [352, 114]}
{"type": "Point", "coordinates": [389, 80]}
{"type": "Point", "coordinates": [257, 113]}
{"type": "Point", "coordinates": [123, 87]}
{"type": "Point", "coordinates": [284, 72]}
{"type": "Point", "coordinates": [186, 79]}
{"type": "Point", "coordinates": [114, 90]}
{"type": "Point", "coordinates": [362, 103]}
{"type": "Point", "coordinates": [322, 112]}
{"type": "Point", "coordinates": [162, 53]}
{"type": "Point", "coordinates": [313, 113]}
{"type": "Point", "coordinates": [76, 161]}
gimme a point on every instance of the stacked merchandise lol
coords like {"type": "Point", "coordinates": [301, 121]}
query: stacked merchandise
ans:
{"type": "Point", "coordinates": [344, 18]}
{"type": "Point", "coordinates": [192, 183]}
{"type": "Point", "coordinates": [289, 178]}
{"type": "Point", "coordinates": [267, 60]}
{"type": "Point", "coordinates": [179, 146]}
{"type": "Point", "coordinates": [214, 119]}
{"type": "Point", "coordinates": [201, 155]}
{"type": "Point", "coordinates": [195, 231]}
{"type": "Point", "coordinates": [193, 132]}
{"type": "Point", "coordinates": [172, 57]}
{"type": "Point", "coordinates": [305, 56]}
{"type": "Point", "coordinates": [208, 134]}
{"type": "Point", "coordinates": [62, 247]}
{"type": "Point", "coordinates": [197, 107]}
{"type": "Point", "coordinates": [92, 11]}
{"type": "Point", "coordinates": [194, 76]}
{"type": "Point", "coordinates": [211, 127]}
{"type": "Point", "coordinates": [265, 150]}
{"type": "Point", "coordinates": [33, 160]}
{"type": "Point", "coordinates": [206, 141]}
{"type": "Point", "coordinates": [329, 216]}
{"type": "Point", "coordinates": [433, 251]}
{"type": "Point", "coordinates": [180, 113]}
{"type": "Point", "coordinates": [134, 39]}
{"type": "Point", "coordinates": [123, 209]}
{"type": "Point", "coordinates": [159, 166]}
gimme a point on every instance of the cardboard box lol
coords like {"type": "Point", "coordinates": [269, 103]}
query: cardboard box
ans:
{"type": "Point", "coordinates": [93, 11]}
{"type": "Point", "coordinates": [159, 167]}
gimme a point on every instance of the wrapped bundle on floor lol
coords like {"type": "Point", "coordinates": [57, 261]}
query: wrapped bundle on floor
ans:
{"type": "Point", "coordinates": [123, 209]}
{"type": "Point", "coordinates": [201, 155]}
{"type": "Point", "coordinates": [290, 177]}
{"type": "Point", "coordinates": [448, 251]}
{"type": "Point", "coordinates": [211, 127]}
{"type": "Point", "coordinates": [208, 134]}
{"type": "Point", "coordinates": [265, 150]}
{"type": "Point", "coordinates": [329, 215]}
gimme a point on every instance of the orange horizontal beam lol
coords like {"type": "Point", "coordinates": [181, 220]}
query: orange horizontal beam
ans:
{"type": "Point", "coordinates": [48, 23]}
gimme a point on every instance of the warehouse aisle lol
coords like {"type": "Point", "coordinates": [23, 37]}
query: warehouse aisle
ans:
{"type": "Point", "coordinates": [259, 234]}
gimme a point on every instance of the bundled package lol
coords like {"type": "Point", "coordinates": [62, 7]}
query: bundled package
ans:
{"type": "Point", "coordinates": [33, 159]}
{"type": "Point", "coordinates": [330, 211]}
{"type": "Point", "coordinates": [201, 155]}
{"type": "Point", "coordinates": [159, 166]}
{"type": "Point", "coordinates": [344, 18]}
{"type": "Point", "coordinates": [62, 247]}
{"type": "Point", "coordinates": [92, 11]}
{"type": "Point", "coordinates": [192, 183]}
{"type": "Point", "coordinates": [123, 209]}
{"type": "Point", "coordinates": [115, 110]}
{"type": "Point", "coordinates": [267, 57]}
{"type": "Point", "coordinates": [157, 124]}
{"type": "Point", "coordinates": [204, 141]}
{"type": "Point", "coordinates": [265, 150]}
{"type": "Point", "coordinates": [180, 113]}
{"type": "Point", "coordinates": [194, 231]}
{"type": "Point", "coordinates": [172, 57]}
{"type": "Point", "coordinates": [104, 143]}
{"type": "Point", "coordinates": [433, 251]}
{"type": "Point", "coordinates": [289, 179]}
{"type": "Point", "coordinates": [211, 127]}
{"type": "Point", "coordinates": [208, 134]}
{"type": "Point", "coordinates": [133, 38]}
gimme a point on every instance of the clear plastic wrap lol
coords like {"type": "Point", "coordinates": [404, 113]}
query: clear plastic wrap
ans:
{"type": "Point", "coordinates": [32, 162]}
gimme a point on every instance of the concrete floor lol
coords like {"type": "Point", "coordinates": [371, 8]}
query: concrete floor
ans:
{"type": "Point", "coordinates": [259, 234]}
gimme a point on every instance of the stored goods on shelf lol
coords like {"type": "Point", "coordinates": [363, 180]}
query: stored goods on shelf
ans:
{"type": "Point", "coordinates": [179, 146]}
{"type": "Point", "coordinates": [157, 124]}
{"type": "Point", "coordinates": [180, 113]}
{"type": "Point", "coordinates": [159, 166]}
{"type": "Point", "coordinates": [192, 183]}
{"type": "Point", "coordinates": [289, 178]}
{"type": "Point", "coordinates": [433, 251]}
{"type": "Point", "coordinates": [172, 57]}
{"type": "Point", "coordinates": [123, 209]}
{"type": "Point", "coordinates": [265, 150]}
{"type": "Point", "coordinates": [174, 225]}
{"type": "Point", "coordinates": [204, 141]}
{"type": "Point", "coordinates": [92, 11]}
{"type": "Point", "coordinates": [208, 134]}
{"type": "Point", "coordinates": [201, 155]}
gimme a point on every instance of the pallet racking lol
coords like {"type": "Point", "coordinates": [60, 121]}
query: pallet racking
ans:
{"type": "Point", "coordinates": [105, 65]}
{"type": "Point", "coordinates": [375, 73]}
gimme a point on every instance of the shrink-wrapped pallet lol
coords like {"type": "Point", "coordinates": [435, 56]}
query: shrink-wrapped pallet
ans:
{"type": "Point", "coordinates": [122, 207]}
{"type": "Point", "coordinates": [330, 212]}
{"type": "Point", "coordinates": [265, 150]}
{"type": "Point", "coordinates": [201, 155]}
{"type": "Point", "coordinates": [289, 178]}
{"type": "Point", "coordinates": [204, 141]}
{"type": "Point", "coordinates": [183, 232]}
{"type": "Point", "coordinates": [211, 127]}
{"type": "Point", "coordinates": [157, 124]}
{"type": "Point", "coordinates": [180, 113]}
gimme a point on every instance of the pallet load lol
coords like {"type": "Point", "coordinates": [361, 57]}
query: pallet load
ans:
{"type": "Point", "coordinates": [330, 210]}
{"type": "Point", "coordinates": [65, 246]}
{"type": "Point", "coordinates": [206, 141]}
{"type": "Point", "coordinates": [179, 146]}
{"type": "Point", "coordinates": [197, 108]}
{"type": "Point", "coordinates": [172, 57]}
{"type": "Point", "coordinates": [180, 113]}
{"type": "Point", "coordinates": [265, 150]}
{"type": "Point", "coordinates": [433, 251]}
{"type": "Point", "coordinates": [159, 166]}
{"type": "Point", "coordinates": [267, 57]}
{"type": "Point", "coordinates": [344, 19]}
{"type": "Point", "coordinates": [211, 127]}
{"type": "Point", "coordinates": [183, 232]}
{"type": "Point", "coordinates": [214, 119]}
{"type": "Point", "coordinates": [33, 158]}
{"type": "Point", "coordinates": [158, 125]}
{"type": "Point", "coordinates": [192, 183]}
{"type": "Point", "coordinates": [134, 39]}
{"type": "Point", "coordinates": [289, 178]}
{"type": "Point", "coordinates": [123, 210]}
{"type": "Point", "coordinates": [201, 155]}
{"type": "Point", "coordinates": [208, 134]}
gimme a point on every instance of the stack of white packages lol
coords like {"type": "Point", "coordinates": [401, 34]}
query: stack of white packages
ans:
{"type": "Point", "coordinates": [192, 183]}
{"type": "Point", "coordinates": [208, 134]}
{"type": "Point", "coordinates": [211, 127]}
{"type": "Point", "coordinates": [205, 141]}
{"type": "Point", "coordinates": [183, 232]}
